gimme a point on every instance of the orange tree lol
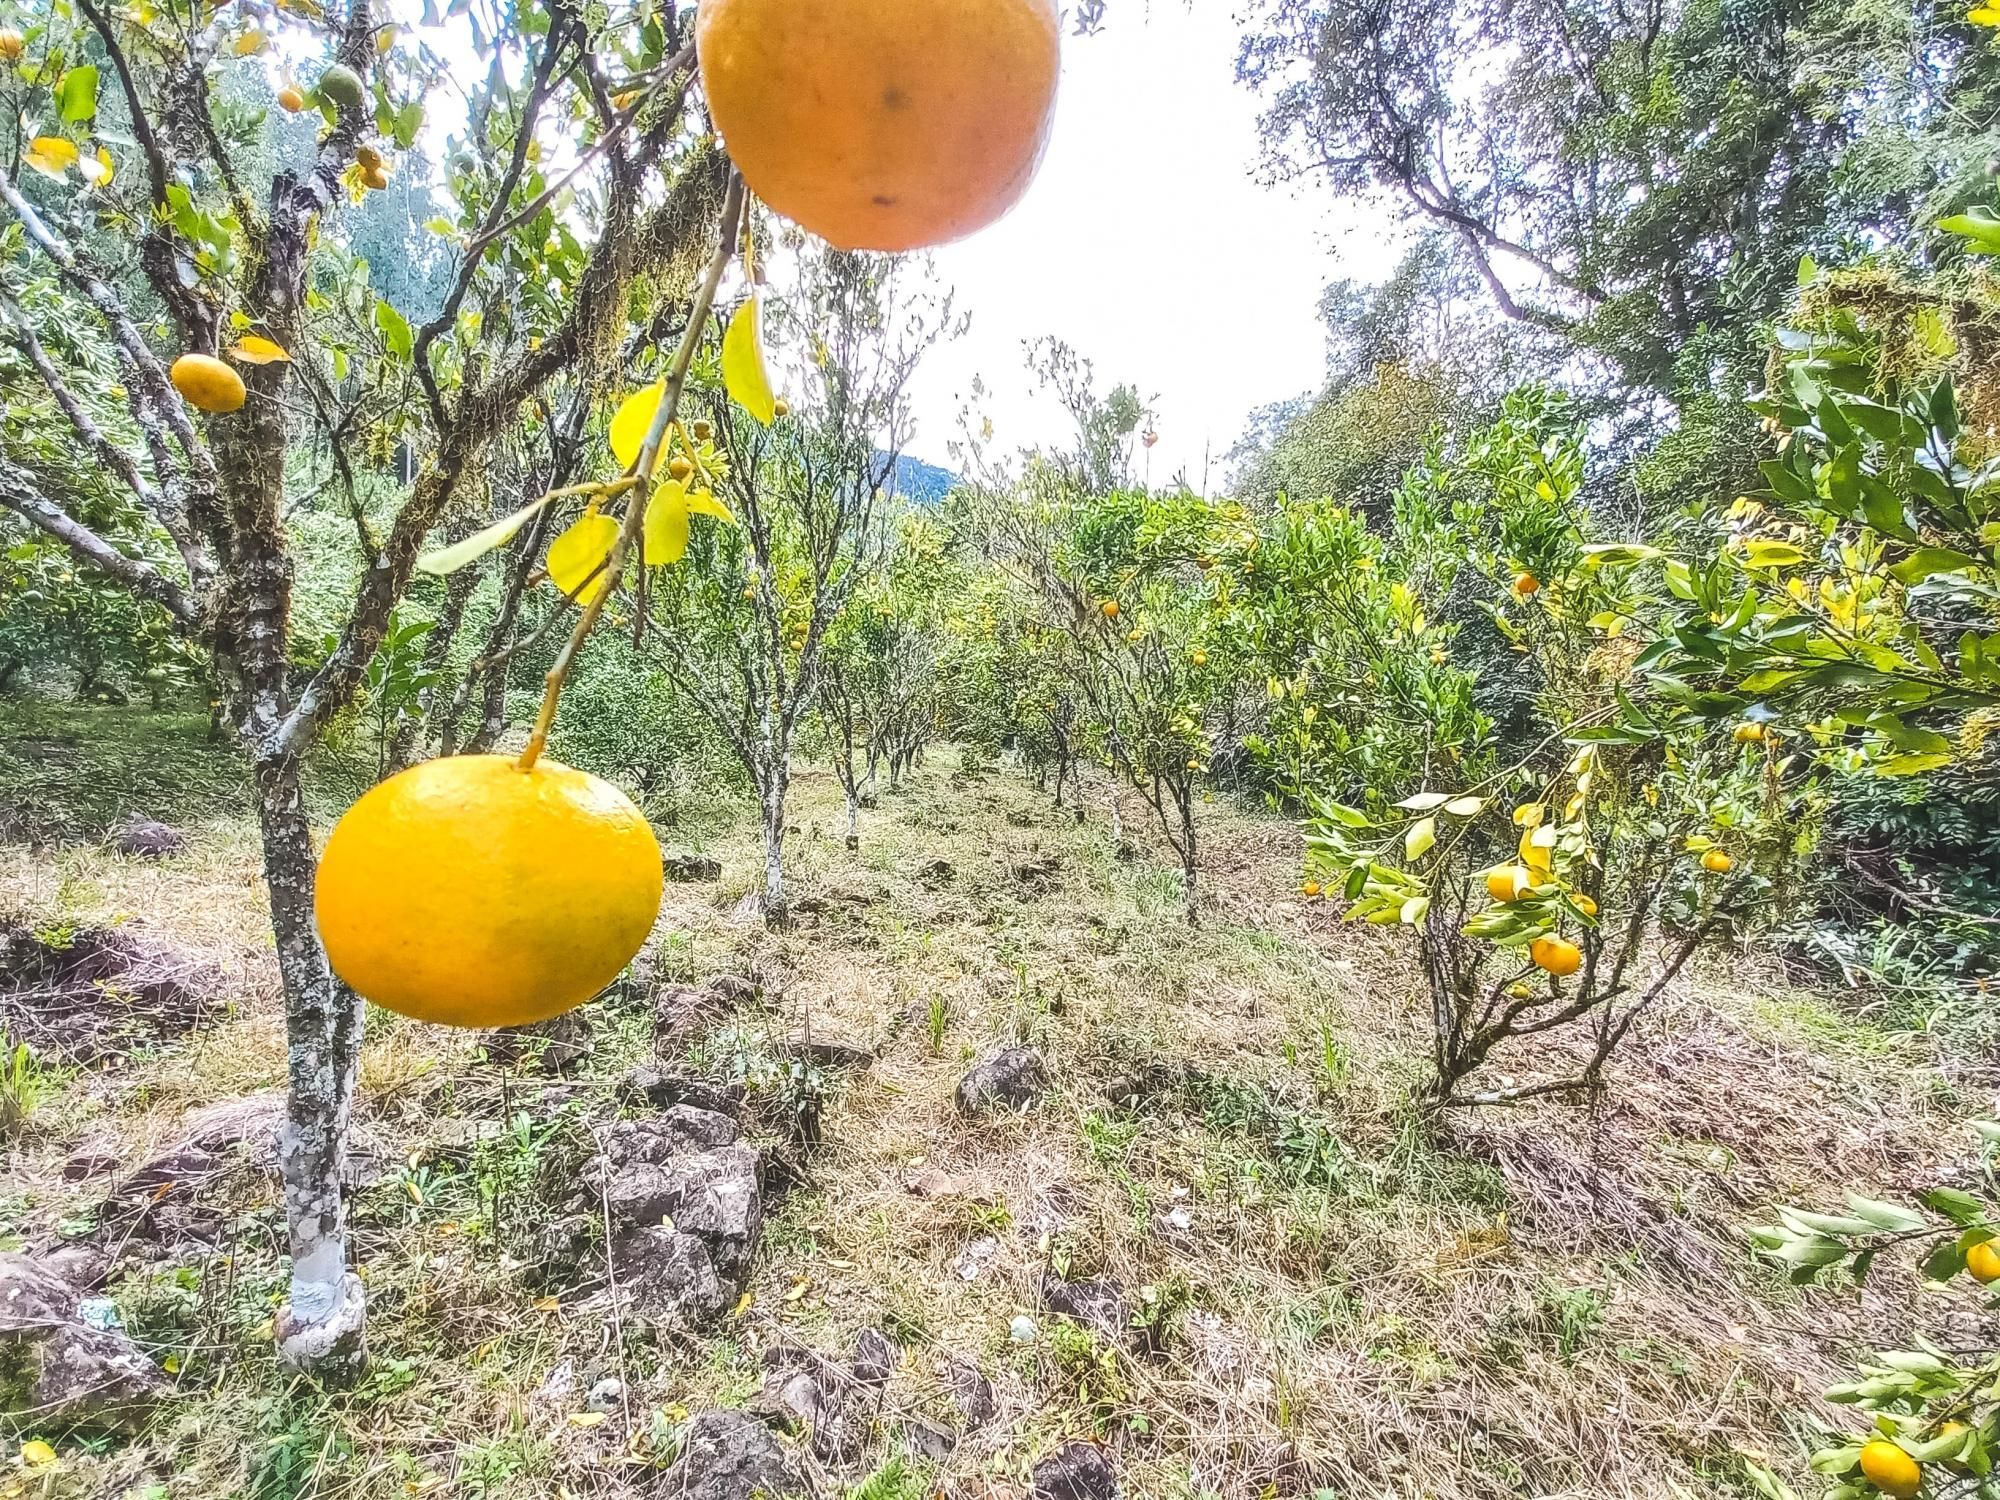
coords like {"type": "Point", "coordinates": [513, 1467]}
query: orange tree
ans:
{"type": "Point", "coordinates": [1112, 576]}
{"type": "Point", "coordinates": [139, 202]}
{"type": "Point", "coordinates": [1560, 893]}
{"type": "Point", "coordinates": [743, 630]}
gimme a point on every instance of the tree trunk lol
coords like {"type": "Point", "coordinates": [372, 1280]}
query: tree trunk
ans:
{"type": "Point", "coordinates": [853, 819]}
{"type": "Point", "coordinates": [772, 794]}
{"type": "Point", "coordinates": [1184, 804]}
{"type": "Point", "coordinates": [322, 1328]}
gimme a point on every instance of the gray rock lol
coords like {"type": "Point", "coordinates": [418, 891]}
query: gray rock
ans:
{"type": "Point", "coordinates": [970, 1391]}
{"type": "Point", "coordinates": [606, 1396]}
{"type": "Point", "coordinates": [655, 1086]}
{"type": "Point", "coordinates": [734, 990]}
{"type": "Point", "coordinates": [1007, 1080]}
{"type": "Point", "coordinates": [830, 1052]}
{"type": "Point", "coordinates": [64, 1371]}
{"type": "Point", "coordinates": [717, 1194]}
{"type": "Point", "coordinates": [931, 1444]}
{"type": "Point", "coordinates": [729, 1455]}
{"type": "Point", "coordinates": [678, 1130]}
{"type": "Point", "coordinates": [681, 1012]}
{"type": "Point", "coordinates": [84, 1266]}
{"type": "Point", "coordinates": [875, 1357]}
{"type": "Point", "coordinates": [670, 1273]}
{"type": "Point", "coordinates": [1099, 1306]}
{"type": "Point", "coordinates": [147, 838]}
{"type": "Point", "coordinates": [1076, 1471]}
{"type": "Point", "coordinates": [689, 869]}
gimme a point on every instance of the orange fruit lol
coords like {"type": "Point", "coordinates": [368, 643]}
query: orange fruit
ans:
{"type": "Point", "coordinates": [375, 177]}
{"type": "Point", "coordinates": [1110, 607]}
{"type": "Point", "coordinates": [781, 407]}
{"type": "Point", "coordinates": [472, 893]}
{"type": "Point", "coordinates": [1983, 1261]}
{"type": "Point", "coordinates": [882, 124]}
{"type": "Point", "coordinates": [1526, 584]}
{"type": "Point", "coordinates": [1505, 883]}
{"type": "Point", "coordinates": [12, 44]}
{"type": "Point", "coordinates": [1890, 1469]}
{"type": "Point", "coordinates": [1559, 956]}
{"type": "Point", "coordinates": [1716, 862]}
{"type": "Point", "coordinates": [290, 100]}
{"type": "Point", "coordinates": [1310, 888]}
{"type": "Point", "coordinates": [1199, 657]}
{"type": "Point", "coordinates": [207, 383]}
{"type": "Point", "coordinates": [369, 158]}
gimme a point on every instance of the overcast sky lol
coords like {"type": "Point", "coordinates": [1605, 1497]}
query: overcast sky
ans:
{"type": "Point", "coordinates": [1147, 244]}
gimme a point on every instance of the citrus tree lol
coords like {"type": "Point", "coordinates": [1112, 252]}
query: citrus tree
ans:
{"type": "Point", "coordinates": [137, 202]}
{"type": "Point", "coordinates": [743, 630]}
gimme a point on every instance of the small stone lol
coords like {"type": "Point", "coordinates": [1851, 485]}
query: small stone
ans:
{"type": "Point", "coordinates": [830, 1052]}
{"type": "Point", "coordinates": [1076, 1471]}
{"type": "Point", "coordinates": [728, 1455]}
{"type": "Point", "coordinates": [875, 1357]}
{"type": "Point", "coordinates": [147, 838]}
{"type": "Point", "coordinates": [931, 1183]}
{"type": "Point", "coordinates": [734, 990]}
{"type": "Point", "coordinates": [971, 1392]}
{"type": "Point", "coordinates": [1022, 1330]}
{"type": "Point", "coordinates": [1007, 1080]}
{"type": "Point", "coordinates": [1099, 1306]}
{"type": "Point", "coordinates": [931, 1444]}
{"type": "Point", "coordinates": [689, 869]}
{"type": "Point", "coordinates": [608, 1395]}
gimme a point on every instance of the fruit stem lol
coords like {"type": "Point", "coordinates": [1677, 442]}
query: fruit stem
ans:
{"type": "Point", "coordinates": [642, 470]}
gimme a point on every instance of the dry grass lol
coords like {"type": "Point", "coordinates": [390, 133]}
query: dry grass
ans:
{"type": "Point", "coordinates": [1546, 1302]}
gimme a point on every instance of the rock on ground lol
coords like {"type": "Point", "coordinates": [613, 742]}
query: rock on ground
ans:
{"type": "Point", "coordinates": [685, 1200]}
{"type": "Point", "coordinates": [147, 838]}
{"type": "Point", "coordinates": [1076, 1471]}
{"type": "Point", "coordinates": [54, 1364]}
{"type": "Point", "coordinates": [690, 869]}
{"type": "Point", "coordinates": [728, 1455]}
{"type": "Point", "coordinates": [1007, 1080]}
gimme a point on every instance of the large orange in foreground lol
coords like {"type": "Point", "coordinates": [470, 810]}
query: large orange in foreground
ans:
{"type": "Point", "coordinates": [470, 892]}
{"type": "Point", "coordinates": [882, 124]}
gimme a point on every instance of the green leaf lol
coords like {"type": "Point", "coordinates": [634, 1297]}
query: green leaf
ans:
{"type": "Point", "coordinates": [1414, 910]}
{"type": "Point", "coordinates": [1618, 554]}
{"type": "Point", "coordinates": [1425, 801]}
{"type": "Point", "coordinates": [409, 120]}
{"type": "Point", "coordinates": [1808, 269]}
{"type": "Point", "coordinates": [1944, 1262]}
{"type": "Point", "coordinates": [77, 95]}
{"type": "Point", "coordinates": [1464, 807]}
{"type": "Point", "coordinates": [1891, 1216]}
{"type": "Point", "coordinates": [1977, 227]}
{"type": "Point", "coordinates": [1336, 812]}
{"type": "Point", "coordinates": [396, 334]}
{"type": "Point", "coordinates": [458, 554]}
{"type": "Point", "coordinates": [1926, 561]}
{"type": "Point", "coordinates": [1767, 554]}
{"type": "Point", "coordinates": [744, 375]}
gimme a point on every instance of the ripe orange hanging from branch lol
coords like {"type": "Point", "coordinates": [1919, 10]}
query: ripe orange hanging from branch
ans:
{"type": "Point", "coordinates": [882, 124]}
{"type": "Point", "coordinates": [470, 892]}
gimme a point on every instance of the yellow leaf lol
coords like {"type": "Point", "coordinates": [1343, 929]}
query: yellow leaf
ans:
{"type": "Point", "coordinates": [634, 416]}
{"type": "Point", "coordinates": [576, 558]}
{"type": "Point", "coordinates": [547, 1304]}
{"type": "Point", "coordinates": [1529, 815]}
{"type": "Point", "coordinates": [1418, 839]}
{"type": "Point", "coordinates": [704, 503]}
{"type": "Point", "coordinates": [458, 554]}
{"type": "Point", "coordinates": [384, 40]}
{"type": "Point", "coordinates": [254, 349]}
{"type": "Point", "coordinates": [743, 372]}
{"type": "Point", "coordinates": [37, 1454]}
{"type": "Point", "coordinates": [585, 1418]}
{"type": "Point", "coordinates": [666, 534]}
{"type": "Point", "coordinates": [51, 155]}
{"type": "Point", "coordinates": [1983, 15]}
{"type": "Point", "coordinates": [742, 1305]}
{"type": "Point", "coordinates": [248, 44]}
{"type": "Point", "coordinates": [97, 170]}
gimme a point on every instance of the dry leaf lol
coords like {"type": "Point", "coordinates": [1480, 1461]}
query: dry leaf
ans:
{"type": "Point", "coordinates": [254, 349]}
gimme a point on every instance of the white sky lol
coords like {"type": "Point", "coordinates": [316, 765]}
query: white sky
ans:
{"type": "Point", "coordinates": [1145, 243]}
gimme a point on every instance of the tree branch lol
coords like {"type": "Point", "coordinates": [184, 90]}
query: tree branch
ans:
{"type": "Point", "coordinates": [92, 550]}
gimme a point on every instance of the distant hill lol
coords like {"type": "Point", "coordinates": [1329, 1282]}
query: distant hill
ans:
{"type": "Point", "coordinates": [926, 484]}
